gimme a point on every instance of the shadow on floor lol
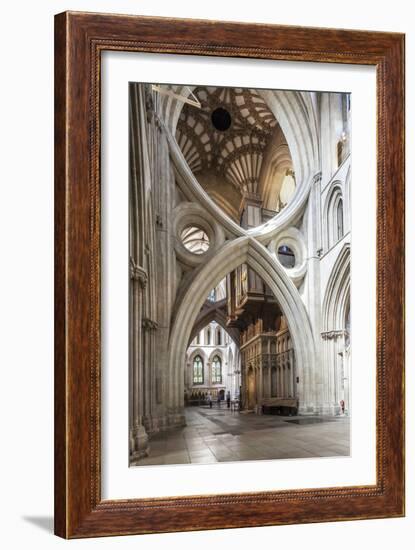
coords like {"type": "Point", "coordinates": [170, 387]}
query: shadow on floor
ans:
{"type": "Point", "coordinates": [43, 522]}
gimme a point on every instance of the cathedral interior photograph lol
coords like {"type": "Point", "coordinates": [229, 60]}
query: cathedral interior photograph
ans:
{"type": "Point", "coordinates": [239, 293]}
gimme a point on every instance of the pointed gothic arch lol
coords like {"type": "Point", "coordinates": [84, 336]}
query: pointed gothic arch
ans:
{"type": "Point", "coordinates": [206, 316]}
{"type": "Point", "coordinates": [198, 351]}
{"type": "Point", "coordinates": [331, 222]}
{"type": "Point", "coordinates": [231, 255]}
{"type": "Point", "coordinates": [215, 351]}
{"type": "Point", "coordinates": [296, 117]}
{"type": "Point", "coordinates": [334, 316]}
{"type": "Point", "coordinates": [337, 295]}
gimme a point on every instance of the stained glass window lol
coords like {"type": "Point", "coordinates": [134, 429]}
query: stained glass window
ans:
{"type": "Point", "coordinates": [197, 370]}
{"type": "Point", "coordinates": [216, 370]}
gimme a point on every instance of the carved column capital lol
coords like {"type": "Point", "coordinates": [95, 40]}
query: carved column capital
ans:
{"type": "Point", "coordinates": [149, 324]}
{"type": "Point", "coordinates": [333, 334]}
{"type": "Point", "coordinates": [138, 273]}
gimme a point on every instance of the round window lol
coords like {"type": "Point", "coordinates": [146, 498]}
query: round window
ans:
{"type": "Point", "coordinates": [286, 256]}
{"type": "Point", "coordinates": [195, 240]}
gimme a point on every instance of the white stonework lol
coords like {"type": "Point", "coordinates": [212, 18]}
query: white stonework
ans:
{"type": "Point", "coordinates": [284, 184]}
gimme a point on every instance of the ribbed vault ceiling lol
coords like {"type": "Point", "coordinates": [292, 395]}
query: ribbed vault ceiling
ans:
{"type": "Point", "coordinates": [236, 152]}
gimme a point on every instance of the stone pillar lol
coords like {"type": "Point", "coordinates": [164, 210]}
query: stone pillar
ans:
{"type": "Point", "coordinates": [311, 386]}
{"type": "Point", "coordinates": [138, 436]}
{"type": "Point", "coordinates": [333, 345]}
{"type": "Point", "coordinates": [149, 327]}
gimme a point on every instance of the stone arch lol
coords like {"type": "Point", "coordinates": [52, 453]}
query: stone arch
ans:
{"type": "Point", "coordinates": [217, 351]}
{"type": "Point", "coordinates": [277, 160]}
{"type": "Point", "coordinates": [334, 196]}
{"type": "Point", "coordinates": [298, 126]}
{"type": "Point", "coordinates": [347, 199]}
{"type": "Point", "coordinates": [292, 114]}
{"type": "Point", "coordinates": [208, 315]}
{"type": "Point", "coordinates": [232, 254]}
{"type": "Point", "coordinates": [335, 304]}
{"type": "Point", "coordinates": [297, 121]}
{"type": "Point", "coordinates": [198, 351]}
{"type": "Point", "coordinates": [337, 295]}
{"type": "Point", "coordinates": [291, 110]}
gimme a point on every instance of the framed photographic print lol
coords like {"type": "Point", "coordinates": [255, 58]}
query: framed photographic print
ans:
{"type": "Point", "coordinates": [229, 280]}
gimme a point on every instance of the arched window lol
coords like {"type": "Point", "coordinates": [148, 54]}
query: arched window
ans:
{"type": "Point", "coordinates": [198, 338]}
{"type": "Point", "coordinates": [216, 370]}
{"type": "Point", "coordinates": [218, 337]}
{"type": "Point", "coordinates": [197, 370]}
{"type": "Point", "coordinates": [208, 337]}
{"type": "Point", "coordinates": [334, 217]}
{"type": "Point", "coordinates": [347, 327]}
{"type": "Point", "coordinates": [340, 225]}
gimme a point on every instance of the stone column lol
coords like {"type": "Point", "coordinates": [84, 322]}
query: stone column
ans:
{"type": "Point", "coordinates": [332, 343]}
{"type": "Point", "coordinates": [311, 386]}
{"type": "Point", "coordinates": [138, 436]}
{"type": "Point", "coordinates": [149, 327]}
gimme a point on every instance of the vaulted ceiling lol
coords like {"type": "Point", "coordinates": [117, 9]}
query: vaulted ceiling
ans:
{"type": "Point", "coordinates": [227, 134]}
{"type": "Point", "coordinates": [232, 143]}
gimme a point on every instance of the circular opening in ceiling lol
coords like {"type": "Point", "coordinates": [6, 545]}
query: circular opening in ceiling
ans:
{"type": "Point", "coordinates": [286, 256]}
{"type": "Point", "coordinates": [221, 119]}
{"type": "Point", "coordinates": [195, 240]}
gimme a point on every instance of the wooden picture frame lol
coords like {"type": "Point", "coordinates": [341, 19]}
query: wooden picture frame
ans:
{"type": "Point", "coordinates": [80, 38]}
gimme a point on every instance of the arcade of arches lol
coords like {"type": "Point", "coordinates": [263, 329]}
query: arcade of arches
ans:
{"type": "Point", "coordinates": [239, 268]}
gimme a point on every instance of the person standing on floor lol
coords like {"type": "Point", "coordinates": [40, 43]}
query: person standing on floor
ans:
{"type": "Point", "coordinates": [228, 399]}
{"type": "Point", "coordinates": [209, 398]}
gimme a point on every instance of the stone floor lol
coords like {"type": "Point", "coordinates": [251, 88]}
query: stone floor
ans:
{"type": "Point", "coordinates": [219, 435]}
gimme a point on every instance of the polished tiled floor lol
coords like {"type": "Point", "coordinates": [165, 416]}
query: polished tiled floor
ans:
{"type": "Point", "coordinates": [219, 435]}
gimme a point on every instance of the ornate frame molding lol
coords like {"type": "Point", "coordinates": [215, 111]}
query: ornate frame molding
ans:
{"type": "Point", "coordinates": [79, 40]}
